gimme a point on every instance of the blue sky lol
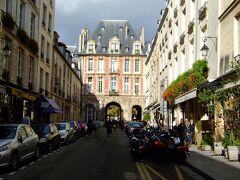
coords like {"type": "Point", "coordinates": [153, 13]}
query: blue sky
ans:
{"type": "Point", "coordinates": [72, 16]}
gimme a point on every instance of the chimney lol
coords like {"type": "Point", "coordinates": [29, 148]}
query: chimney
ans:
{"type": "Point", "coordinates": [141, 36]}
{"type": "Point", "coordinates": [126, 31]}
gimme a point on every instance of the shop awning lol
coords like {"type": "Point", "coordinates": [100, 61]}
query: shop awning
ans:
{"type": "Point", "coordinates": [48, 105]}
{"type": "Point", "coordinates": [188, 95]}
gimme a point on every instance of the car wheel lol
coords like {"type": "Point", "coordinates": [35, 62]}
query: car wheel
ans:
{"type": "Point", "coordinates": [67, 142]}
{"type": "Point", "coordinates": [59, 145]}
{"type": "Point", "coordinates": [14, 161]}
{"type": "Point", "coordinates": [50, 147]}
{"type": "Point", "coordinates": [37, 152]}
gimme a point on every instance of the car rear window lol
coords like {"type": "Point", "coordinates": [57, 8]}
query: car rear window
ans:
{"type": "Point", "coordinates": [61, 126]}
{"type": "Point", "coordinates": [8, 132]}
{"type": "Point", "coordinates": [42, 129]}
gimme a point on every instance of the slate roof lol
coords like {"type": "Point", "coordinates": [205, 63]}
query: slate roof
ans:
{"type": "Point", "coordinates": [112, 28]}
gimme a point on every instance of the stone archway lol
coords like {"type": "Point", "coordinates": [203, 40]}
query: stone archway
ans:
{"type": "Point", "coordinates": [136, 113]}
{"type": "Point", "coordinates": [113, 111]}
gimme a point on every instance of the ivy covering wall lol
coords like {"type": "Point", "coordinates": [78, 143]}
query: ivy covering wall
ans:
{"type": "Point", "coordinates": [187, 81]}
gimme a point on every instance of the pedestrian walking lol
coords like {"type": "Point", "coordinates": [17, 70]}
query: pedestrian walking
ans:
{"type": "Point", "coordinates": [188, 137]}
{"type": "Point", "coordinates": [90, 127]}
{"type": "Point", "coordinates": [181, 131]}
{"type": "Point", "coordinates": [192, 128]}
{"type": "Point", "coordinates": [26, 119]}
{"type": "Point", "coordinates": [108, 124]}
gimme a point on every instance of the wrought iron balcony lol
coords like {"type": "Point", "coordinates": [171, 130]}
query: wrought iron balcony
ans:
{"type": "Point", "coordinates": [113, 93]}
{"type": "Point", "coordinates": [237, 59]}
{"type": "Point", "coordinates": [113, 71]}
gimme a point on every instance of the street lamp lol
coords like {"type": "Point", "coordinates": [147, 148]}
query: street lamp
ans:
{"type": "Point", "coordinates": [205, 48]}
{"type": "Point", "coordinates": [6, 51]}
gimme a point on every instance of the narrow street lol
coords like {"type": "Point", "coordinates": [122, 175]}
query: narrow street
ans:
{"type": "Point", "coordinates": [96, 157]}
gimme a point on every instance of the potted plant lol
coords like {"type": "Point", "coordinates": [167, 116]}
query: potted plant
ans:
{"type": "Point", "coordinates": [207, 142]}
{"type": "Point", "coordinates": [225, 143]}
{"type": "Point", "coordinates": [8, 21]}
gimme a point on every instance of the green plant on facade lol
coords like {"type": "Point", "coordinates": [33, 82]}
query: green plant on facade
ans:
{"type": "Point", "coordinates": [187, 81]}
{"type": "Point", "coordinates": [22, 36]}
{"type": "Point", "coordinates": [229, 98]}
{"type": "Point", "coordinates": [147, 117]}
{"type": "Point", "coordinates": [8, 21]}
{"type": "Point", "coordinates": [33, 46]}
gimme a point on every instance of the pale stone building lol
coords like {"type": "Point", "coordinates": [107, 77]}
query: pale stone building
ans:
{"type": "Point", "coordinates": [65, 83]}
{"type": "Point", "coordinates": [183, 26]}
{"type": "Point", "coordinates": [112, 61]}
{"type": "Point", "coordinates": [18, 67]}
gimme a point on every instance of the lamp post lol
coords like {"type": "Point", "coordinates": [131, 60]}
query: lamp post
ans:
{"type": "Point", "coordinates": [205, 48]}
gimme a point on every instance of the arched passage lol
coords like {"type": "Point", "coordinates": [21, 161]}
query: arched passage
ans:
{"type": "Point", "coordinates": [113, 111]}
{"type": "Point", "coordinates": [136, 113]}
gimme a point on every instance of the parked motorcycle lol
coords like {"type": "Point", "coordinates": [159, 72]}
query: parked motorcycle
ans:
{"type": "Point", "coordinates": [152, 142]}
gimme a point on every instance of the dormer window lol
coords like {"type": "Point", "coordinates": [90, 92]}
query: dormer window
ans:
{"type": "Point", "coordinates": [114, 47]}
{"type": "Point", "coordinates": [99, 36]}
{"type": "Point", "coordinates": [90, 47]}
{"type": "Point", "coordinates": [121, 29]}
{"type": "Point", "coordinates": [103, 28]}
{"type": "Point", "coordinates": [104, 49]}
{"type": "Point", "coordinates": [126, 49]}
{"type": "Point", "coordinates": [132, 36]}
{"type": "Point", "coordinates": [116, 35]}
{"type": "Point", "coordinates": [137, 47]}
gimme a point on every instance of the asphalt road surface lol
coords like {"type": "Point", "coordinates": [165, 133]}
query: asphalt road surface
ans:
{"type": "Point", "coordinates": [98, 157]}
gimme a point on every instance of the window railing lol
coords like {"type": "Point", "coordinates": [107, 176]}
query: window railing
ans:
{"type": "Point", "coordinates": [113, 71]}
{"type": "Point", "coordinates": [113, 92]}
{"type": "Point", "coordinates": [237, 59]}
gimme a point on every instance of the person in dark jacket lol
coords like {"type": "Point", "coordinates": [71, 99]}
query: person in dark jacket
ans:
{"type": "Point", "coordinates": [181, 131]}
{"type": "Point", "coordinates": [90, 127]}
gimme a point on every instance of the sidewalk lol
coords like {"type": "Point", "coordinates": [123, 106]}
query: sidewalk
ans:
{"type": "Point", "coordinates": [213, 167]}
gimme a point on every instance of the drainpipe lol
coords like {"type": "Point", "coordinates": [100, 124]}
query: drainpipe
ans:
{"type": "Point", "coordinates": [196, 31]}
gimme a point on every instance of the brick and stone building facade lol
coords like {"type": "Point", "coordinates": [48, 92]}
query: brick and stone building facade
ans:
{"type": "Point", "coordinates": [112, 61]}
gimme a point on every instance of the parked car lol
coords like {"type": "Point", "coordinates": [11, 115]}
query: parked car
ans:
{"type": "Point", "coordinates": [66, 132]}
{"type": "Point", "coordinates": [134, 126]}
{"type": "Point", "coordinates": [49, 137]}
{"type": "Point", "coordinates": [18, 142]}
{"type": "Point", "coordinates": [76, 129]}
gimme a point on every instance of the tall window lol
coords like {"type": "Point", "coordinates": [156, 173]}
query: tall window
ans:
{"type": "Point", "coordinates": [48, 53]}
{"type": "Point", "coordinates": [137, 86]}
{"type": "Point", "coordinates": [22, 15]}
{"type": "Point", "coordinates": [46, 81]}
{"type": "Point", "coordinates": [90, 65]}
{"type": "Point", "coordinates": [9, 6]}
{"type": "Point", "coordinates": [20, 61]}
{"type": "Point", "coordinates": [137, 65]}
{"type": "Point", "coordinates": [113, 84]}
{"type": "Point", "coordinates": [126, 85]}
{"type": "Point", "coordinates": [41, 78]}
{"type": "Point", "coordinates": [31, 65]}
{"type": "Point", "coordinates": [100, 65]}
{"type": "Point", "coordinates": [42, 46]}
{"type": "Point", "coordinates": [114, 65]}
{"type": "Point", "coordinates": [126, 66]}
{"type": "Point", "coordinates": [32, 26]}
{"type": "Point", "coordinates": [90, 85]}
{"type": "Point", "coordinates": [100, 84]}
{"type": "Point", "coordinates": [49, 22]}
{"type": "Point", "coordinates": [44, 15]}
